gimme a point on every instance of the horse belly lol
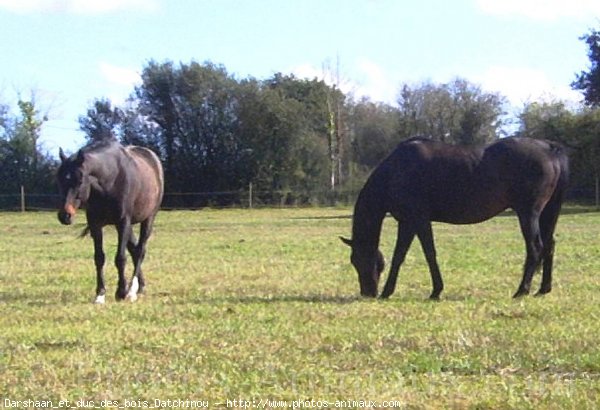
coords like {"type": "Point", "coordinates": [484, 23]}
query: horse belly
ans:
{"type": "Point", "coordinates": [468, 210]}
{"type": "Point", "coordinates": [145, 206]}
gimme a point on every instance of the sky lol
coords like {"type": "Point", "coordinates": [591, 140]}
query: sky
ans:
{"type": "Point", "coordinates": [67, 53]}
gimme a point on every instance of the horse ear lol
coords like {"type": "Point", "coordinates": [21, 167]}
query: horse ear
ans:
{"type": "Point", "coordinates": [80, 157]}
{"type": "Point", "coordinates": [61, 155]}
{"type": "Point", "coordinates": [346, 241]}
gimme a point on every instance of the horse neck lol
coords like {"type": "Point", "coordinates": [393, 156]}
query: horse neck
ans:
{"type": "Point", "coordinates": [367, 219]}
{"type": "Point", "coordinates": [102, 166]}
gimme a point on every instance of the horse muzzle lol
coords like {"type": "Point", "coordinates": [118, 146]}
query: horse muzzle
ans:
{"type": "Point", "coordinates": [67, 214]}
{"type": "Point", "coordinates": [368, 290]}
{"type": "Point", "coordinates": [368, 293]}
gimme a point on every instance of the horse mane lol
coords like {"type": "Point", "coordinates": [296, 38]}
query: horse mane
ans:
{"type": "Point", "coordinates": [100, 145]}
{"type": "Point", "coordinates": [96, 146]}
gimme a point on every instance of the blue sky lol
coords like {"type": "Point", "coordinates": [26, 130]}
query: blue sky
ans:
{"type": "Point", "coordinates": [70, 52]}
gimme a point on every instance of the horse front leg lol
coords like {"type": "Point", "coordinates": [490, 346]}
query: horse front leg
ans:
{"type": "Point", "coordinates": [405, 237]}
{"type": "Point", "coordinates": [123, 233]}
{"type": "Point", "coordinates": [425, 234]}
{"type": "Point", "coordinates": [99, 259]}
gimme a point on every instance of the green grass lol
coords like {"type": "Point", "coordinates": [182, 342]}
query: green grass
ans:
{"type": "Point", "coordinates": [262, 304]}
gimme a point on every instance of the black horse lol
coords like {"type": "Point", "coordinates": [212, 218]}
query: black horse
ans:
{"type": "Point", "coordinates": [118, 186]}
{"type": "Point", "coordinates": [424, 181]}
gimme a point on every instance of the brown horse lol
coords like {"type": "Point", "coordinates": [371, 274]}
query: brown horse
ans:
{"type": "Point", "coordinates": [118, 186]}
{"type": "Point", "coordinates": [424, 181]}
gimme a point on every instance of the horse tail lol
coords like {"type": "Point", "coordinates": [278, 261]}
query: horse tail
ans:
{"type": "Point", "coordinates": [564, 170]}
{"type": "Point", "coordinates": [85, 232]}
{"type": "Point", "coordinates": [551, 212]}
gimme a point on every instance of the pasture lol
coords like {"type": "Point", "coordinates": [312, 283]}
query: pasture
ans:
{"type": "Point", "coordinates": [263, 305]}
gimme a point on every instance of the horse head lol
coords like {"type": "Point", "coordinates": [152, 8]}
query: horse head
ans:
{"type": "Point", "coordinates": [73, 185]}
{"type": "Point", "coordinates": [369, 263]}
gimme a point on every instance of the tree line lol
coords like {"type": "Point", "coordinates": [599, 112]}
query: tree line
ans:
{"type": "Point", "coordinates": [215, 132]}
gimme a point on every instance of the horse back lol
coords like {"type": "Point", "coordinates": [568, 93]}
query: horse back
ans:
{"type": "Point", "coordinates": [461, 184]}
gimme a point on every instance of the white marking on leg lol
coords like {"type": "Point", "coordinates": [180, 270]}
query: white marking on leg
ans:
{"type": "Point", "coordinates": [133, 289]}
{"type": "Point", "coordinates": [100, 299]}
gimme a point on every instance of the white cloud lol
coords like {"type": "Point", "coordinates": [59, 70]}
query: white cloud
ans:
{"type": "Point", "coordinates": [307, 71]}
{"type": "Point", "coordinates": [368, 79]}
{"type": "Point", "coordinates": [121, 76]}
{"type": "Point", "coordinates": [545, 10]}
{"type": "Point", "coordinates": [375, 83]}
{"type": "Point", "coordinates": [78, 6]}
{"type": "Point", "coordinates": [521, 85]}
{"type": "Point", "coordinates": [325, 73]}
{"type": "Point", "coordinates": [120, 81]}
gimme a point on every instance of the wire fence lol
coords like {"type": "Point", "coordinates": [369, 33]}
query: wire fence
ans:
{"type": "Point", "coordinates": [26, 201]}
{"type": "Point", "coordinates": [250, 198]}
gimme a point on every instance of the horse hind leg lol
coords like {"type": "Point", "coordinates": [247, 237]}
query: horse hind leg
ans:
{"type": "Point", "coordinates": [548, 221]}
{"type": "Point", "coordinates": [548, 262]}
{"type": "Point", "coordinates": [530, 227]}
{"type": "Point", "coordinates": [124, 233]}
{"type": "Point", "coordinates": [137, 249]}
{"type": "Point", "coordinates": [135, 286]}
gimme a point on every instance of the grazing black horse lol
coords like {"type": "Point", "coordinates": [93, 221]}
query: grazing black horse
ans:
{"type": "Point", "coordinates": [424, 181]}
{"type": "Point", "coordinates": [118, 186]}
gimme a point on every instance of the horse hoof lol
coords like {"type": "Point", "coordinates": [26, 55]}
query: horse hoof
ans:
{"type": "Point", "coordinates": [520, 294]}
{"type": "Point", "coordinates": [542, 292]}
{"type": "Point", "coordinates": [133, 290]}
{"type": "Point", "coordinates": [386, 293]}
{"type": "Point", "coordinates": [100, 300]}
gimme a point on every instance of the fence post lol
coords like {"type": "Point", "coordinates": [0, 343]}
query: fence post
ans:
{"type": "Point", "coordinates": [250, 195]}
{"type": "Point", "coordinates": [22, 198]}
{"type": "Point", "coordinates": [597, 191]}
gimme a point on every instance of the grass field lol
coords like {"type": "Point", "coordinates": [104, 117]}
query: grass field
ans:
{"type": "Point", "coordinates": [262, 305]}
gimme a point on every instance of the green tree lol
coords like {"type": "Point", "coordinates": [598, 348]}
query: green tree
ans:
{"type": "Point", "coordinates": [24, 144]}
{"type": "Point", "coordinates": [322, 107]}
{"type": "Point", "coordinates": [375, 132]}
{"type": "Point", "coordinates": [103, 121]}
{"type": "Point", "coordinates": [589, 81]}
{"type": "Point", "coordinates": [4, 120]}
{"type": "Point", "coordinates": [553, 120]}
{"type": "Point", "coordinates": [284, 133]}
{"type": "Point", "coordinates": [191, 110]}
{"type": "Point", "coordinates": [23, 162]}
{"type": "Point", "coordinates": [588, 122]}
{"type": "Point", "coordinates": [586, 159]}
{"type": "Point", "coordinates": [578, 130]}
{"type": "Point", "coordinates": [457, 112]}
{"type": "Point", "coordinates": [216, 133]}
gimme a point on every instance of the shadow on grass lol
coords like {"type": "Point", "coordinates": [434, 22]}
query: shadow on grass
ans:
{"type": "Point", "coordinates": [323, 217]}
{"type": "Point", "coordinates": [568, 209]}
{"type": "Point", "coordinates": [316, 299]}
{"type": "Point", "coordinates": [35, 299]}
{"type": "Point", "coordinates": [268, 299]}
